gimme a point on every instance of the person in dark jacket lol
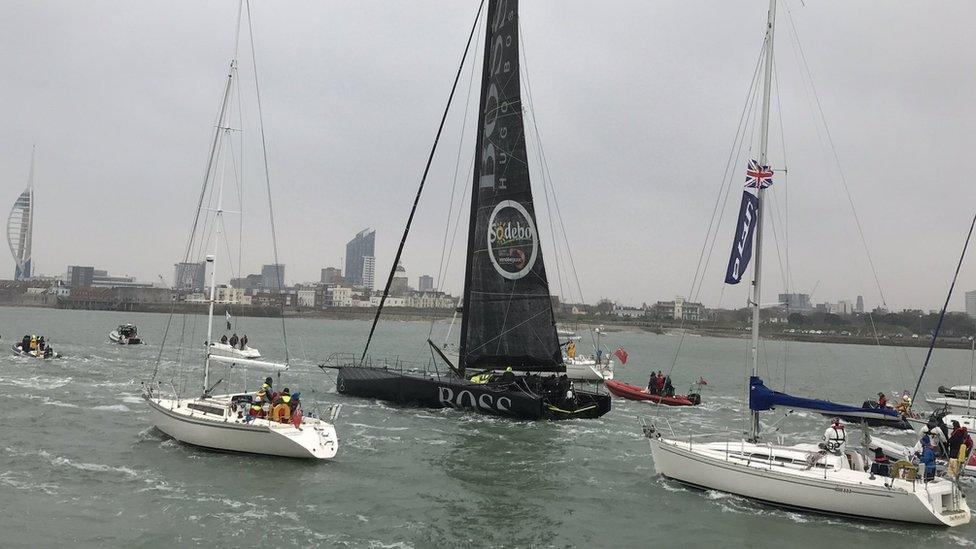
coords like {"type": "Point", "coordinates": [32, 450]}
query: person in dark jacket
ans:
{"type": "Point", "coordinates": [668, 389]}
{"type": "Point", "coordinates": [243, 342]}
{"type": "Point", "coordinates": [25, 343]}
{"type": "Point", "coordinates": [881, 465]}
{"type": "Point", "coordinates": [223, 339]}
{"type": "Point", "coordinates": [959, 436]}
{"type": "Point", "coordinates": [233, 340]}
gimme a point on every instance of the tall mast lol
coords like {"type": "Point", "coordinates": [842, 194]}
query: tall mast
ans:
{"type": "Point", "coordinates": [763, 144]}
{"type": "Point", "coordinates": [216, 173]}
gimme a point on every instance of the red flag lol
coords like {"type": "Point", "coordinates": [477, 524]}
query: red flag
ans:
{"type": "Point", "coordinates": [296, 418]}
{"type": "Point", "coordinates": [621, 354]}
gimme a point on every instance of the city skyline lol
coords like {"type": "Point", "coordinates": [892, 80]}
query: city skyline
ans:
{"type": "Point", "coordinates": [635, 218]}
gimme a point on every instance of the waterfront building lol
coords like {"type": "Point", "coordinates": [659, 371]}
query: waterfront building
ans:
{"type": "Point", "coordinates": [190, 276]}
{"type": "Point", "coordinates": [425, 283]}
{"type": "Point", "coordinates": [79, 276]}
{"type": "Point", "coordinates": [971, 303]}
{"type": "Point", "coordinates": [399, 285]}
{"type": "Point", "coordinates": [306, 298]}
{"type": "Point", "coordinates": [368, 273]}
{"type": "Point", "coordinates": [273, 277]}
{"type": "Point", "coordinates": [797, 303]}
{"type": "Point", "coordinates": [679, 309]}
{"type": "Point", "coordinates": [859, 307]}
{"type": "Point", "coordinates": [331, 275]}
{"type": "Point", "coordinates": [363, 245]}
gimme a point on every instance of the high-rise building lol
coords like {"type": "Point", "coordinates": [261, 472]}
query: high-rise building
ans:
{"type": "Point", "coordinates": [79, 277]}
{"type": "Point", "coordinates": [796, 302]}
{"type": "Point", "coordinates": [425, 283]}
{"type": "Point", "coordinates": [273, 276]}
{"type": "Point", "coordinates": [369, 272]}
{"type": "Point", "coordinates": [190, 276]}
{"type": "Point", "coordinates": [859, 308]}
{"type": "Point", "coordinates": [331, 275]}
{"type": "Point", "coordinates": [971, 303]}
{"type": "Point", "coordinates": [20, 228]}
{"type": "Point", "coordinates": [363, 245]}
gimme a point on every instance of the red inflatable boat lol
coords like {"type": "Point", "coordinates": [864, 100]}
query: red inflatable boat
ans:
{"type": "Point", "coordinates": [633, 392]}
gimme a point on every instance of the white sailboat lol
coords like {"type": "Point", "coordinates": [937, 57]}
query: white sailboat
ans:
{"type": "Point", "coordinates": [956, 399]}
{"type": "Point", "coordinates": [825, 478]}
{"type": "Point", "coordinates": [236, 422]}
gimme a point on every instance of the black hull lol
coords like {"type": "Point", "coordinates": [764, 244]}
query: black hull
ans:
{"type": "Point", "coordinates": [508, 400]}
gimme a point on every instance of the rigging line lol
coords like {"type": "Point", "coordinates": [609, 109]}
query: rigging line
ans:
{"type": "Point", "coordinates": [840, 169]}
{"type": "Point", "coordinates": [938, 327]}
{"type": "Point", "coordinates": [725, 188]}
{"type": "Point", "coordinates": [726, 175]}
{"type": "Point", "coordinates": [546, 175]}
{"type": "Point", "coordinates": [457, 219]}
{"type": "Point", "coordinates": [555, 198]}
{"type": "Point", "coordinates": [508, 331]}
{"type": "Point", "coordinates": [749, 121]}
{"type": "Point", "coordinates": [786, 175]}
{"type": "Point", "coordinates": [442, 268]}
{"type": "Point", "coordinates": [279, 279]}
{"type": "Point", "coordinates": [196, 219]}
{"type": "Point", "coordinates": [798, 51]}
{"type": "Point", "coordinates": [545, 191]}
{"type": "Point", "coordinates": [773, 222]}
{"type": "Point", "coordinates": [423, 179]}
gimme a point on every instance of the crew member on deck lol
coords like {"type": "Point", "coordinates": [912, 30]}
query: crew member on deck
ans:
{"type": "Point", "coordinates": [835, 440]}
{"type": "Point", "coordinates": [881, 465]}
{"type": "Point", "coordinates": [243, 342]}
{"type": "Point", "coordinates": [233, 340]}
{"type": "Point", "coordinates": [508, 376]}
{"type": "Point", "coordinates": [928, 458]}
{"type": "Point", "coordinates": [223, 339]}
{"type": "Point", "coordinates": [882, 400]}
{"type": "Point", "coordinates": [571, 350]}
{"type": "Point", "coordinates": [265, 391]}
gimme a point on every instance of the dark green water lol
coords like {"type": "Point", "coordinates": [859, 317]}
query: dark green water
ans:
{"type": "Point", "coordinates": [80, 466]}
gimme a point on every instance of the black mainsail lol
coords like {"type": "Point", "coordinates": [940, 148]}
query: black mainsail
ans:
{"type": "Point", "coordinates": [507, 318]}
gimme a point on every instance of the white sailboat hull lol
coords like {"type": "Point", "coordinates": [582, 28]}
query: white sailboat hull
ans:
{"type": "Point", "coordinates": [587, 369]}
{"type": "Point", "coordinates": [316, 439]}
{"type": "Point", "coordinates": [955, 405]}
{"type": "Point", "coordinates": [223, 349]}
{"type": "Point", "coordinates": [824, 490]}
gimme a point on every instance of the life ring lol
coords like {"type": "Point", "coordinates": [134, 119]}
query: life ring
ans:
{"type": "Point", "coordinates": [281, 412]}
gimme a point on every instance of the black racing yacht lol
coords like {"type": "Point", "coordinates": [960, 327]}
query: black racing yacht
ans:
{"type": "Point", "coordinates": [509, 362]}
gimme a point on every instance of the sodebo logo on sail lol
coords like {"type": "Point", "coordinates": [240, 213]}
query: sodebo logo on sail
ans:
{"type": "Point", "coordinates": [510, 232]}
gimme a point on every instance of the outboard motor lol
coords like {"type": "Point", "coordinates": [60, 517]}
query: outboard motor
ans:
{"type": "Point", "coordinates": [695, 398]}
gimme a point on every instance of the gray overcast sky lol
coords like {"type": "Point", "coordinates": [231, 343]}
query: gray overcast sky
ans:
{"type": "Point", "coordinates": [637, 104]}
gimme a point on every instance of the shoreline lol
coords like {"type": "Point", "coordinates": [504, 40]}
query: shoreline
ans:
{"type": "Point", "coordinates": [609, 325]}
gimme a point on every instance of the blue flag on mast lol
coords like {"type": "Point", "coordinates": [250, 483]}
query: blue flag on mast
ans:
{"type": "Point", "coordinates": [742, 245]}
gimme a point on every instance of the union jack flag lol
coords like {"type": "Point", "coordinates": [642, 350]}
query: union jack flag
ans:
{"type": "Point", "coordinates": [758, 177]}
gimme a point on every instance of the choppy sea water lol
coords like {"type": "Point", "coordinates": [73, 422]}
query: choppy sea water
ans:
{"type": "Point", "coordinates": [80, 465]}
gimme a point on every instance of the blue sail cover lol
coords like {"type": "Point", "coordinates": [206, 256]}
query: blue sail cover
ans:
{"type": "Point", "coordinates": [763, 398]}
